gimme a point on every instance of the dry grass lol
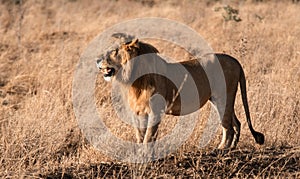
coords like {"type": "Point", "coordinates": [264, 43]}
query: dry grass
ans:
{"type": "Point", "coordinates": [40, 45]}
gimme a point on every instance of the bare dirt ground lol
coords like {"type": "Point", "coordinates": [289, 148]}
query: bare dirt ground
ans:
{"type": "Point", "coordinates": [40, 46]}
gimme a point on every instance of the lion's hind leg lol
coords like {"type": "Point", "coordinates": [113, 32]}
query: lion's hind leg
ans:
{"type": "Point", "coordinates": [228, 134]}
{"type": "Point", "coordinates": [231, 126]}
{"type": "Point", "coordinates": [237, 130]}
{"type": "Point", "coordinates": [226, 122]}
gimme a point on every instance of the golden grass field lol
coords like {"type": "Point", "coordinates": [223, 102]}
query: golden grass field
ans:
{"type": "Point", "coordinates": [40, 46]}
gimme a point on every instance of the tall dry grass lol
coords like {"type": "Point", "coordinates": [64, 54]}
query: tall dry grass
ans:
{"type": "Point", "coordinates": [40, 45]}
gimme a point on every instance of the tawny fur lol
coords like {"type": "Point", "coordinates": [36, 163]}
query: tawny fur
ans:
{"type": "Point", "coordinates": [131, 59]}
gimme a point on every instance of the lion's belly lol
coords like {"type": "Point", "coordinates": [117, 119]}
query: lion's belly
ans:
{"type": "Point", "coordinates": [179, 110]}
{"type": "Point", "coordinates": [190, 99]}
{"type": "Point", "coordinates": [192, 88]}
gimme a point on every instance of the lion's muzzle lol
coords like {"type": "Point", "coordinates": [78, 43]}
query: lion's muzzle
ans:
{"type": "Point", "coordinates": [108, 72]}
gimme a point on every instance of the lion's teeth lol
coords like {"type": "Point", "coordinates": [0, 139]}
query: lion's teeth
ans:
{"type": "Point", "coordinates": [107, 70]}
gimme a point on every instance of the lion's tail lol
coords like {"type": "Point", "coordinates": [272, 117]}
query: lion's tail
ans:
{"type": "Point", "coordinates": [259, 137]}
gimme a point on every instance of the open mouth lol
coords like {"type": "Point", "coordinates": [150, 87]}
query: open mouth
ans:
{"type": "Point", "coordinates": [108, 72]}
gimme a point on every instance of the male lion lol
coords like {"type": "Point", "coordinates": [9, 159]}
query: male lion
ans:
{"type": "Point", "coordinates": [151, 94]}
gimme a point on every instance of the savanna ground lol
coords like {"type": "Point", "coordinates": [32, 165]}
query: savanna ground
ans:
{"type": "Point", "coordinates": [40, 46]}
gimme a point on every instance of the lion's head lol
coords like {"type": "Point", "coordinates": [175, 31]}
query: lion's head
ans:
{"type": "Point", "coordinates": [115, 60]}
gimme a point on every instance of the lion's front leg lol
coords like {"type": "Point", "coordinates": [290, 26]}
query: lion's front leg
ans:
{"type": "Point", "coordinates": [146, 128]}
{"type": "Point", "coordinates": [146, 133]}
{"type": "Point", "coordinates": [140, 125]}
{"type": "Point", "coordinates": [151, 135]}
{"type": "Point", "coordinates": [151, 132]}
{"type": "Point", "coordinates": [140, 134]}
{"type": "Point", "coordinates": [157, 105]}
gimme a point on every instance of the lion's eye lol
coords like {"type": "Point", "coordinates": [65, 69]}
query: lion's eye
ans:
{"type": "Point", "coordinates": [116, 51]}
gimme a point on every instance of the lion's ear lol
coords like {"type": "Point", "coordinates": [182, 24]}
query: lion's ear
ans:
{"type": "Point", "coordinates": [131, 45]}
{"type": "Point", "coordinates": [134, 43]}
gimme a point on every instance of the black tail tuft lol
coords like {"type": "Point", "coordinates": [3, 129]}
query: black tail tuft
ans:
{"type": "Point", "coordinates": [259, 138]}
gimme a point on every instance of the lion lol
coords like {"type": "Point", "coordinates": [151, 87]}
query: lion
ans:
{"type": "Point", "coordinates": [150, 95]}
